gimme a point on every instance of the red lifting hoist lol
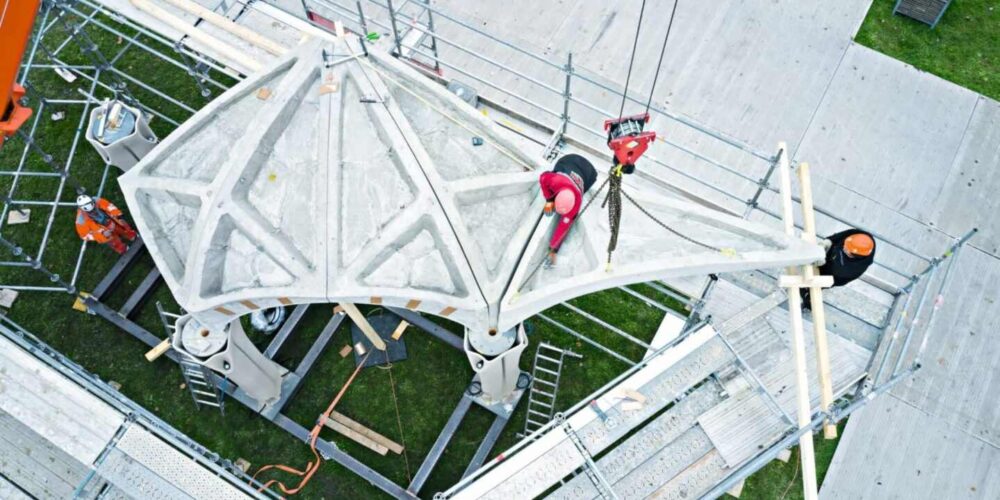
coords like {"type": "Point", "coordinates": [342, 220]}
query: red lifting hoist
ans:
{"type": "Point", "coordinates": [627, 138]}
{"type": "Point", "coordinates": [15, 28]}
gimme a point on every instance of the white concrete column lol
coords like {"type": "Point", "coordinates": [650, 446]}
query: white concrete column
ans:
{"type": "Point", "coordinates": [496, 360]}
{"type": "Point", "coordinates": [230, 353]}
{"type": "Point", "coordinates": [120, 133]}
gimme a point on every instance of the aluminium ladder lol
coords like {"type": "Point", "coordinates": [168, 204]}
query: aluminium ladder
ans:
{"type": "Point", "coordinates": [545, 377]}
{"type": "Point", "coordinates": [201, 382]}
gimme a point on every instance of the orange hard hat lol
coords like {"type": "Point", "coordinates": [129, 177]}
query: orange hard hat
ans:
{"type": "Point", "coordinates": [859, 244]}
{"type": "Point", "coordinates": [565, 201]}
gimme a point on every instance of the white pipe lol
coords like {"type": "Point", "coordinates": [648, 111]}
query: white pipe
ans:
{"type": "Point", "coordinates": [226, 24]}
{"type": "Point", "coordinates": [223, 49]}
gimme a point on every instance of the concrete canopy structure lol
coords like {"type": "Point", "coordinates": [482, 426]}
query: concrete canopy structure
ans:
{"type": "Point", "coordinates": [359, 182]}
{"type": "Point", "coordinates": [336, 177]}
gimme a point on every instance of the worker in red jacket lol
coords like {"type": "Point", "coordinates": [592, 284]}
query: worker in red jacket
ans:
{"type": "Point", "coordinates": [101, 221]}
{"type": "Point", "coordinates": [563, 189]}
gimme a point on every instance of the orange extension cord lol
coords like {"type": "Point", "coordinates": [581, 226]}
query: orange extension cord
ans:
{"type": "Point", "coordinates": [312, 466]}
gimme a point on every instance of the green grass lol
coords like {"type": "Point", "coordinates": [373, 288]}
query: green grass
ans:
{"type": "Point", "coordinates": [428, 384]}
{"type": "Point", "coordinates": [963, 48]}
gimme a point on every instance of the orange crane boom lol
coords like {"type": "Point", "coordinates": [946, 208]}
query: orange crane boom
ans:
{"type": "Point", "coordinates": [17, 18]}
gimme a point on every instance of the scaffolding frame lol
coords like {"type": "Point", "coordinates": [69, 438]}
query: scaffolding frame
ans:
{"type": "Point", "coordinates": [135, 413]}
{"type": "Point", "coordinates": [65, 23]}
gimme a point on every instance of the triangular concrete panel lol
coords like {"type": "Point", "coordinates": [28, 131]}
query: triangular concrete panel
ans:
{"type": "Point", "coordinates": [708, 242]}
{"type": "Point", "coordinates": [171, 217]}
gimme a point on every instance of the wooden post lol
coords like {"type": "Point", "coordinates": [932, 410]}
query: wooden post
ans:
{"type": "Point", "coordinates": [158, 351]}
{"type": "Point", "coordinates": [366, 327]}
{"type": "Point", "coordinates": [224, 49]}
{"type": "Point", "coordinates": [816, 302]}
{"type": "Point", "coordinates": [226, 24]}
{"type": "Point", "coordinates": [803, 408]}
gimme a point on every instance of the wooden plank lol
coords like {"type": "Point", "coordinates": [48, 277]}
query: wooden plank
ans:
{"type": "Point", "coordinates": [370, 434]}
{"type": "Point", "coordinates": [398, 332]}
{"type": "Point", "coordinates": [243, 32]}
{"type": "Point", "coordinates": [158, 351]}
{"type": "Point", "coordinates": [355, 436]}
{"type": "Point", "coordinates": [809, 483]}
{"type": "Point", "coordinates": [223, 49]}
{"type": "Point", "coordinates": [74, 420]}
{"type": "Point", "coordinates": [364, 325]}
{"type": "Point", "coordinates": [816, 302]}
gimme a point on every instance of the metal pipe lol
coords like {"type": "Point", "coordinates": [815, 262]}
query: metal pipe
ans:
{"type": "Point", "coordinates": [605, 324]}
{"type": "Point", "coordinates": [914, 322]}
{"type": "Point", "coordinates": [567, 95]}
{"type": "Point", "coordinates": [585, 338]}
{"type": "Point", "coordinates": [395, 32]}
{"type": "Point", "coordinates": [892, 339]}
{"type": "Point", "coordinates": [505, 91]}
{"type": "Point", "coordinates": [938, 302]}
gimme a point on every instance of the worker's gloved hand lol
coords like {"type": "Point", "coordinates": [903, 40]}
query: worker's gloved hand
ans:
{"type": "Point", "coordinates": [106, 233]}
{"type": "Point", "coordinates": [548, 207]}
{"type": "Point", "coordinates": [826, 243]}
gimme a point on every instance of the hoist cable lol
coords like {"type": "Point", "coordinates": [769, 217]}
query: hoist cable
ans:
{"type": "Point", "coordinates": [663, 50]}
{"type": "Point", "coordinates": [631, 60]}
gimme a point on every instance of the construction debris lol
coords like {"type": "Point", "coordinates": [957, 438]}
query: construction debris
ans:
{"type": "Point", "coordinates": [243, 464]}
{"type": "Point", "coordinates": [7, 297]}
{"type": "Point", "coordinates": [398, 332]}
{"type": "Point", "coordinates": [361, 434]}
{"type": "Point", "coordinates": [21, 216]}
{"type": "Point", "coordinates": [345, 351]}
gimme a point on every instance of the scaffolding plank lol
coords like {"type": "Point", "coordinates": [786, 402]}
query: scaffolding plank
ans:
{"type": "Point", "coordinates": [34, 465]}
{"type": "Point", "coordinates": [439, 445]}
{"type": "Point", "coordinates": [12, 491]}
{"type": "Point", "coordinates": [743, 425]}
{"type": "Point", "coordinates": [661, 439]}
{"type": "Point", "coordinates": [693, 481]}
{"type": "Point", "coordinates": [44, 400]}
{"type": "Point", "coordinates": [146, 463]}
{"type": "Point", "coordinates": [538, 466]}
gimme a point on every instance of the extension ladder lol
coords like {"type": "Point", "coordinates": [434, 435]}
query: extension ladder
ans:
{"type": "Point", "coordinates": [544, 384]}
{"type": "Point", "coordinates": [201, 382]}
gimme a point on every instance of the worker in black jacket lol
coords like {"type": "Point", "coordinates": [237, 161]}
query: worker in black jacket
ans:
{"type": "Point", "coordinates": [848, 257]}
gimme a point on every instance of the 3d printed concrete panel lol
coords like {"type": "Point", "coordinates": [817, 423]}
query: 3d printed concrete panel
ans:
{"type": "Point", "coordinates": [698, 241]}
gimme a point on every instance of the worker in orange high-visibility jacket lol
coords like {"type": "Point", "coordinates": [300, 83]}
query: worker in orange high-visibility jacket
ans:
{"type": "Point", "coordinates": [100, 221]}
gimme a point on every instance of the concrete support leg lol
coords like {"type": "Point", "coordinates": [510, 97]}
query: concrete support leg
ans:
{"type": "Point", "coordinates": [229, 352]}
{"type": "Point", "coordinates": [495, 357]}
